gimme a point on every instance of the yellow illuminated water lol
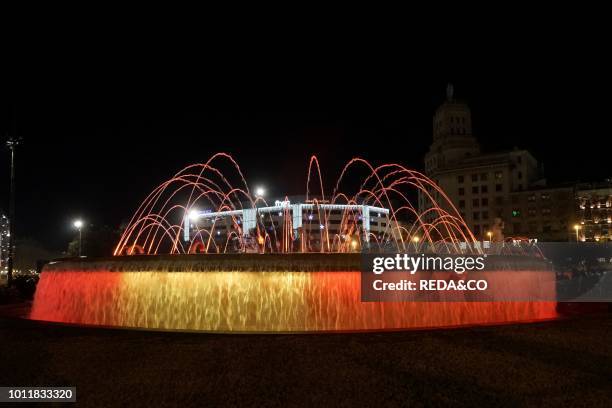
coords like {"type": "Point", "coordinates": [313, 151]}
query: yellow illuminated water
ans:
{"type": "Point", "coordinates": [250, 301]}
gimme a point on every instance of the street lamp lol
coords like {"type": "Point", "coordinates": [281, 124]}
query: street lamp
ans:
{"type": "Point", "coordinates": [194, 215]}
{"type": "Point", "coordinates": [260, 192]}
{"type": "Point", "coordinates": [78, 224]}
{"type": "Point", "coordinates": [489, 234]}
{"type": "Point", "coordinates": [577, 228]}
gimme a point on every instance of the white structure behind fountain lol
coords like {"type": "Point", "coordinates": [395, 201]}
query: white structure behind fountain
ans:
{"type": "Point", "coordinates": [312, 222]}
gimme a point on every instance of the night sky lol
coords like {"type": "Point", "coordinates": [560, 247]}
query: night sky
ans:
{"type": "Point", "coordinates": [96, 141]}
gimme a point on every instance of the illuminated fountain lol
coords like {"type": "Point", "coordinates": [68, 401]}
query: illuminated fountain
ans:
{"type": "Point", "coordinates": [202, 252]}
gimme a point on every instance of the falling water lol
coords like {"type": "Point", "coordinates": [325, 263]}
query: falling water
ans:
{"type": "Point", "coordinates": [318, 292]}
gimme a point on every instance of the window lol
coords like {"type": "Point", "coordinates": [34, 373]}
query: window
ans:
{"type": "Point", "coordinates": [531, 212]}
{"type": "Point", "coordinates": [476, 215]}
{"type": "Point", "coordinates": [498, 187]}
{"type": "Point", "coordinates": [461, 203]}
{"type": "Point", "coordinates": [474, 177]}
{"type": "Point", "coordinates": [475, 190]}
{"type": "Point", "coordinates": [531, 197]}
{"type": "Point", "coordinates": [460, 179]}
{"type": "Point", "coordinates": [461, 191]}
{"type": "Point", "coordinates": [483, 177]}
{"type": "Point", "coordinates": [546, 228]}
{"type": "Point", "coordinates": [516, 213]}
{"type": "Point", "coordinates": [499, 200]}
{"type": "Point", "coordinates": [475, 202]}
{"type": "Point", "coordinates": [520, 175]}
{"type": "Point", "coordinates": [485, 215]}
{"type": "Point", "coordinates": [476, 229]}
{"type": "Point", "coordinates": [519, 159]}
{"type": "Point", "coordinates": [484, 189]}
{"type": "Point", "coordinates": [516, 227]}
{"type": "Point", "coordinates": [546, 211]}
{"type": "Point", "coordinates": [499, 175]}
{"type": "Point", "coordinates": [485, 202]}
{"type": "Point", "coordinates": [545, 196]}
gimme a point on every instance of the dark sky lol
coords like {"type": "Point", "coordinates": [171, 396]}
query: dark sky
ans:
{"type": "Point", "coordinates": [98, 136]}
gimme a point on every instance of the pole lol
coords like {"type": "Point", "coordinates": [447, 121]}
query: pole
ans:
{"type": "Point", "coordinates": [80, 242]}
{"type": "Point", "coordinates": [577, 237]}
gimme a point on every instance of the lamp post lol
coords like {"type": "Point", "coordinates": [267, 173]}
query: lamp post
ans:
{"type": "Point", "coordinates": [577, 228]}
{"type": "Point", "coordinates": [489, 235]}
{"type": "Point", "coordinates": [78, 224]}
{"type": "Point", "coordinates": [416, 240]}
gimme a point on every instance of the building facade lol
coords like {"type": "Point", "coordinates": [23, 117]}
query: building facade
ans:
{"type": "Point", "coordinates": [492, 188]}
{"type": "Point", "coordinates": [4, 241]}
{"type": "Point", "coordinates": [544, 213]}
{"type": "Point", "coordinates": [594, 206]}
{"type": "Point", "coordinates": [292, 227]}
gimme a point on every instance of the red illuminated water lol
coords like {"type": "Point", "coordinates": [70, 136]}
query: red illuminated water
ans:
{"type": "Point", "coordinates": [260, 301]}
{"type": "Point", "coordinates": [157, 226]}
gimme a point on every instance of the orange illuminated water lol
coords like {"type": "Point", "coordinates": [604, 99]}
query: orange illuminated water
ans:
{"type": "Point", "coordinates": [185, 298]}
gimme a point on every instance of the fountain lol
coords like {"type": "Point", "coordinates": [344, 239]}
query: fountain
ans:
{"type": "Point", "coordinates": [203, 253]}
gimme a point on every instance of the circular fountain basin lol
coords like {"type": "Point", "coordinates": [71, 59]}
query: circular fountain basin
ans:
{"type": "Point", "coordinates": [254, 293]}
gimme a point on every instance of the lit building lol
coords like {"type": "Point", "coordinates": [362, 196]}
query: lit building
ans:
{"type": "Point", "coordinates": [4, 241]}
{"type": "Point", "coordinates": [309, 223]}
{"type": "Point", "coordinates": [594, 202]}
{"type": "Point", "coordinates": [507, 186]}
